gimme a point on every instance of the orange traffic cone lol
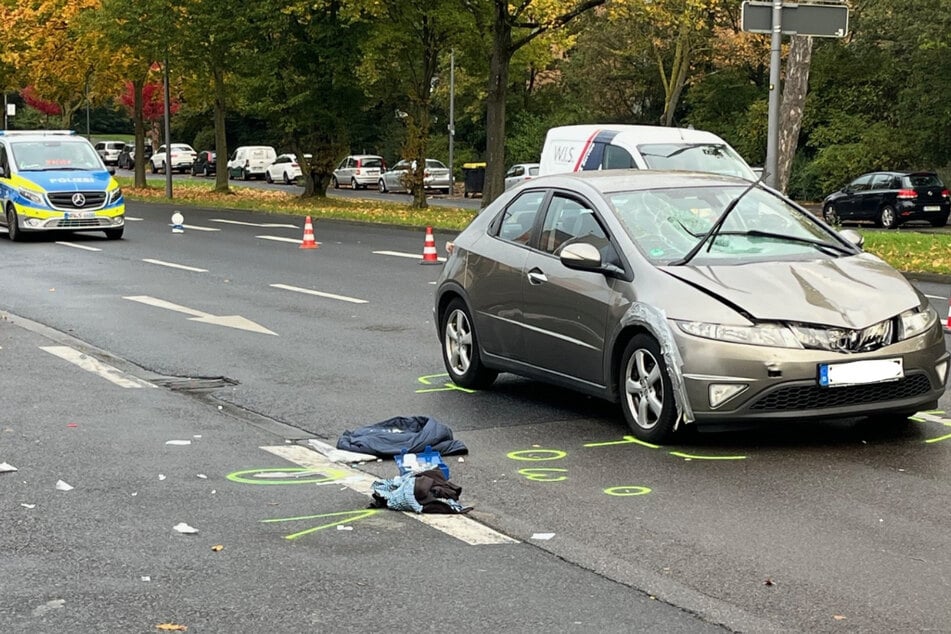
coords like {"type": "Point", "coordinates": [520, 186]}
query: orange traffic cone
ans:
{"type": "Point", "coordinates": [308, 242]}
{"type": "Point", "coordinates": [429, 248]}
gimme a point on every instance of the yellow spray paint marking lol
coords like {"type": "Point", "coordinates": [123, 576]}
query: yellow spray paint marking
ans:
{"type": "Point", "coordinates": [446, 386]}
{"type": "Point", "coordinates": [939, 439]}
{"type": "Point", "coordinates": [627, 441]}
{"type": "Point", "coordinates": [690, 456]}
{"type": "Point", "coordinates": [295, 475]}
{"type": "Point", "coordinates": [537, 455]}
{"type": "Point", "coordinates": [627, 491]}
{"type": "Point", "coordinates": [348, 516]}
{"type": "Point", "coordinates": [544, 475]}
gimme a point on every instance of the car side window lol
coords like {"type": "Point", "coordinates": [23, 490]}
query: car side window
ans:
{"type": "Point", "coordinates": [4, 161]}
{"type": "Point", "coordinates": [518, 219]}
{"type": "Point", "coordinates": [568, 218]}
{"type": "Point", "coordinates": [881, 181]}
{"type": "Point", "coordinates": [861, 183]}
{"type": "Point", "coordinates": [616, 157]}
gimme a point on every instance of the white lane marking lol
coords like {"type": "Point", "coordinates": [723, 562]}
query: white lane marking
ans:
{"type": "Point", "coordinates": [400, 254]}
{"type": "Point", "coordinates": [461, 527]}
{"type": "Point", "coordinates": [266, 225]}
{"type": "Point", "coordinates": [935, 297]}
{"type": "Point", "coordinates": [95, 366]}
{"type": "Point", "coordinates": [197, 228]}
{"type": "Point", "coordinates": [282, 239]}
{"type": "Point", "coordinates": [228, 321]}
{"type": "Point", "coordinates": [174, 266]}
{"type": "Point", "coordinates": [307, 291]}
{"type": "Point", "coordinates": [78, 246]}
{"type": "Point", "coordinates": [134, 219]}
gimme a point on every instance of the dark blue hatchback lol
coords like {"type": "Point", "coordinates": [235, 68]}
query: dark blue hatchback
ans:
{"type": "Point", "coordinates": [889, 199]}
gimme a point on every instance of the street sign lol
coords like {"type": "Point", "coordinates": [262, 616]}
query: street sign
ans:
{"type": "Point", "coordinates": [817, 20]}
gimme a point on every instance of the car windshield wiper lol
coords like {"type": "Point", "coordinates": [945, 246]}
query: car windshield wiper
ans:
{"type": "Point", "coordinates": [819, 244]}
{"type": "Point", "coordinates": [715, 229]}
{"type": "Point", "coordinates": [680, 150]}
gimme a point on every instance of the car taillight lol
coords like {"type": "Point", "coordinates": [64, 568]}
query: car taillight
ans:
{"type": "Point", "coordinates": [426, 174]}
{"type": "Point", "coordinates": [945, 194]}
{"type": "Point", "coordinates": [907, 194]}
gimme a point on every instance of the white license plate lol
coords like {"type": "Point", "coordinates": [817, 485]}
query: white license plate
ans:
{"type": "Point", "coordinates": [79, 215]}
{"type": "Point", "coordinates": [860, 372]}
{"type": "Point", "coordinates": [932, 208]}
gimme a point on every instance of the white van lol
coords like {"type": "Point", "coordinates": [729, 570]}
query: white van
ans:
{"type": "Point", "coordinates": [576, 148]}
{"type": "Point", "coordinates": [251, 161]}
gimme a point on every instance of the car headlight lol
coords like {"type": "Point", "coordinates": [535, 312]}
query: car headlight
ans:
{"type": "Point", "coordinates": [917, 320]}
{"type": "Point", "coordinates": [115, 195]}
{"type": "Point", "coordinates": [774, 335]}
{"type": "Point", "coordinates": [32, 196]}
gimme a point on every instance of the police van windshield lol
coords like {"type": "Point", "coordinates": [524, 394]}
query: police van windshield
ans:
{"type": "Point", "coordinates": [54, 154]}
{"type": "Point", "coordinates": [718, 158]}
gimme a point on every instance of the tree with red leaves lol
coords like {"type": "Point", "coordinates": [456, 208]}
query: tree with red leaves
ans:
{"type": "Point", "coordinates": [153, 108]}
{"type": "Point", "coordinates": [44, 106]}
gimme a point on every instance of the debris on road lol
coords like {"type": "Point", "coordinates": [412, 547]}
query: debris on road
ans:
{"type": "Point", "coordinates": [55, 604]}
{"type": "Point", "coordinates": [542, 536]}
{"type": "Point", "coordinates": [185, 529]}
{"type": "Point", "coordinates": [425, 492]}
{"type": "Point", "coordinates": [62, 486]}
{"type": "Point", "coordinates": [6, 467]}
{"type": "Point", "coordinates": [402, 433]}
{"type": "Point", "coordinates": [27, 506]}
{"type": "Point", "coordinates": [217, 548]}
{"type": "Point", "coordinates": [178, 442]}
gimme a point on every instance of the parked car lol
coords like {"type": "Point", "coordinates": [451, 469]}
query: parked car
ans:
{"type": "Point", "coordinates": [205, 163]}
{"type": "Point", "coordinates": [519, 173]}
{"type": "Point", "coordinates": [285, 168]}
{"type": "Point", "coordinates": [889, 199]}
{"type": "Point", "coordinates": [690, 298]}
{"type": "Point", "coordinates": [126, 158]}
{"type": "Point", "coordinates": [358, 171]}
{"type": "Point", "coordinates": [180, 159]}
{"type": "Point", "coordinates": [109, 151]}
{"type": "Point", "coordinates": [397, 178]}
{"type": "Point", "coordinates": [250, 161]}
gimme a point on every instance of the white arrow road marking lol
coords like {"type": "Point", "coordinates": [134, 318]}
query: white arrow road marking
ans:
{"type": "Point", "coordinates": [229, 321]}
{"type": "Point", "coordinates": [400, 254]}
{"type": "Point", "coordinates": [307, 291]}
{"type": "Point", "coordinates": [95, 366]}
{"type": "Point", "coordinates": [78, 246]}
{"type": "Point", "coordinates": [461, 527]}
{"type": "Point", "coordinates": [282, 239]}
{"type": "Point", "coordinates": [266, 225]}
{"type": "Point", "coordinates": [197, 228]}
{"type": "Point", "coordinates": [173, 265]}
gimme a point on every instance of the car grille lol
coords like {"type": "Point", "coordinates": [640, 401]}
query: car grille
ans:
{"type": "Point", "coordinates": [805, 397]}
{"type": "Point", "coordinates": [80, 223]}
{"type": "Point", "coordinates": [64, 200]}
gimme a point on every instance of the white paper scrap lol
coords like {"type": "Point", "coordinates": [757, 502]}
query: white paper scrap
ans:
{"type": "Point", "coordinates": [145, 578]}
{"type": "Point", "coordinates": [341, 527]}
{"type": "Point", "coordinates": [544, 536]}
{"type": "Point", "coordinates": [62, 486]}
{"type": "Point", "coordinates": [27, 506]}
{"type": "Point", "coordinates": [202, 476]}
{"type": "Point", "coordinates": [178, 442]}
{"type": "Point", "coordinates": [6, 467]}
{"type": "Point", "coordinates": [161, 476]}
{"type": "Point", "coordinates": [185, 529]}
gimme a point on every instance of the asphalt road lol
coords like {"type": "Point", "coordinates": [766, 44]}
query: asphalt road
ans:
{"type": "Point", "coordinates": [800, 527]}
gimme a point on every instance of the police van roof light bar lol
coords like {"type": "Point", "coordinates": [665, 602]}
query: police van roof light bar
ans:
{"type": "Point", "coordinates": [37, 132]}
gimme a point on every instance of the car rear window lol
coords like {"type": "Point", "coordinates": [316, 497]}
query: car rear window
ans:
{"type": "Point", "coordinates": [115, 146]}
{"type": "Point", "coordinates": [923, 180]}
{"type": "Point", "coordinates": [259, 154]}
{"type": "Point", "coordinates": [533, 171]}
{"type": "Point", "coordinates": [371, 162]}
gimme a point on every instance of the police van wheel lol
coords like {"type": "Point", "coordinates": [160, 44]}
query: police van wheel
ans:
{"type": "Point", "coordinates": [114, 234]}
{"type": "Point", "coordinates": [13, 229]}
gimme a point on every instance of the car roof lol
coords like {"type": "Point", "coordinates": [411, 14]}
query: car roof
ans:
{"type": "Point", "coordinates": [638, 133]}
{"type": "Point", "coordinates": [607, 181]}
{"type": "Point", "coordinates": [364, 156]}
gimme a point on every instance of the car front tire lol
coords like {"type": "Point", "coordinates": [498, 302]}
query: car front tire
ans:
{"type": "Point", "coordinates": [114, 234]}
{"type": "Point", "coordinates": [267, 178]}
{"type": "Point", "coordinates": [647, 396]}
{"type": "Point", "coordinates": [13, 229]}
{"type": "Point", "coordinates": [830, 215]}
{"type": "Point", "coordinates": [334, 183]}
{"type": "Point", "coordinates": [460, 349]}
{"type": "Point", "coordinates": [382, 186]}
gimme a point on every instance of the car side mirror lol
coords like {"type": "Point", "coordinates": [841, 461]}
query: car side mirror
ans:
{"type": "Point", "coordinates": [111, 170]}
{"type": "Point", "coordinates": [584, 256]}
{"type": "Point", "coordinates": [3, 172]}
{"type": "Point", "coordinates": [853, 237]}
{"type": "Point", "coordinates": [847, 189]}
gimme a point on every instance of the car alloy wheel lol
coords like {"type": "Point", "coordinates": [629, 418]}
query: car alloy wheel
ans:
{"type": "Point", "coordinates": [646, 391]}
{"type": "Point", "coordinates": [461, 349]}
{"type": "Point", "coordinates": [830, 215]}
{"type": "Point", "coordinates": [334, 183]}
{"type": "Point", "coordinates": [887, 218]}
{"type": "Point", "coordinates": [353, 184]}
{"type": "Point", "coordinates": [382, 185]}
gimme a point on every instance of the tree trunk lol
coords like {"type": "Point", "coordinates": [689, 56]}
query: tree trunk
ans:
{"type": "Point", "coordinates": [674, 84]}
{"type": "Point", "coordinates": [794, 100]}
{"type": "Point", "coordinates": [495, 106]}
{"type": "Point", "coordinates": [138, 106]}
{"type": "Point", "coordinates": [221, 140]}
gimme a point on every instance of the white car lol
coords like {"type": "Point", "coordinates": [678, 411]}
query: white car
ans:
{"type": "Point", "coordinates": [396, 179]}
{"type": "Point", "coordinates": [358, 171]}
{"type": "Point", "coordinates": [250, 161]}
{"type": "Point", "coordinates": [109, 151]}
{"type": "Point", "coordinates": [180, 159]}
{"type": "Point", "coordinates": [519, 173]}
{"type": "Point", "coordinates": [285, 169]}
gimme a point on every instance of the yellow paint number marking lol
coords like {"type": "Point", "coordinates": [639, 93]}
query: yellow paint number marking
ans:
{"type": "Point", "coordinates": [544, 475]}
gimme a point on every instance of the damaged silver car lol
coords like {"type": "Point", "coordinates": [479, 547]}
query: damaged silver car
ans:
{"type": "Point", "coordinates": [689, 298]}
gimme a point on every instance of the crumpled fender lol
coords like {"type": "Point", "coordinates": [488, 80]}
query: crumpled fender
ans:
{"type": "Point", "coordinates": [654, 321]}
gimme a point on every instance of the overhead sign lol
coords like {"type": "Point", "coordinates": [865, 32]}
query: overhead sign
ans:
{"type": "Point", "coordinates": [817, 20]}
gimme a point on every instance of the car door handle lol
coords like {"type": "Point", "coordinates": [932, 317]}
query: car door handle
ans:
{"type": "Point", "coordinates": [536, 277]}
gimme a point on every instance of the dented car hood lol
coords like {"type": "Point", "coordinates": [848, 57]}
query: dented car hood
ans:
{"type": "Point", "coordinates": [852, 292]}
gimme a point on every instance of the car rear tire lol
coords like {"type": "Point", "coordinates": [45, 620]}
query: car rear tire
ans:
{"type": "Point", "coordinates": [647, 395]}
{"type": "Point", "coordinates": [13, 229]}
{"type": "Point", "coordinates": [114, 234]}
{"type": "Point", "coordinates": [154, 167]}
{"type": "Point", "coordinates": [460, 349]}
{"type": "Point", "coordinates": [887, 218]}
{"type": "Point", "coordinates": [382, 186]}
{"type": "Point", "coordinates": [244, 175]}
{"type": "Point", "coordinates": [206, 172]}
{"type": "Point", "coordinates": [287, 179]}
{"type": "Point", "coordinates": [830, 215]}
{"type": "Point", "coordinates": [940, 222]}
{"type": "Point", "coordinates": [353, 184]}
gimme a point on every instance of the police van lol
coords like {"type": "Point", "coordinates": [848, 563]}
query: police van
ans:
{"type": "Point", "coordinates": [54, 180]}
{"type": "Point", "coordinates": [576, 148]}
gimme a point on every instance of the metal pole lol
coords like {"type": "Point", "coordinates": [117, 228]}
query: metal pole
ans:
{"type": "Point", "coordinates": [452, 115]}
{"type": "Point", "coordinates": [168, 132]}
{"type": "Point", "coordinates": [775, 61]}
{"type": "Point", "coordinates": [4, 110]}
{"type": "Point", "coordinates": [88, 74]}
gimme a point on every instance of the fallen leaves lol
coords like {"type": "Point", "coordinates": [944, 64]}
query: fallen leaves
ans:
{"type": "Point", "coordinates": [171, 627]}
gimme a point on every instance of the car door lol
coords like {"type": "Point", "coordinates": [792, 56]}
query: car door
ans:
{"type": "Point", "coordinates": [847, 206]}
{"type": "Point", "coordinates": [496, 268]}
{"type": "Point", "coordinates": [566, 310]}
{"type": "Point", "coordinates": [872, 199]}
